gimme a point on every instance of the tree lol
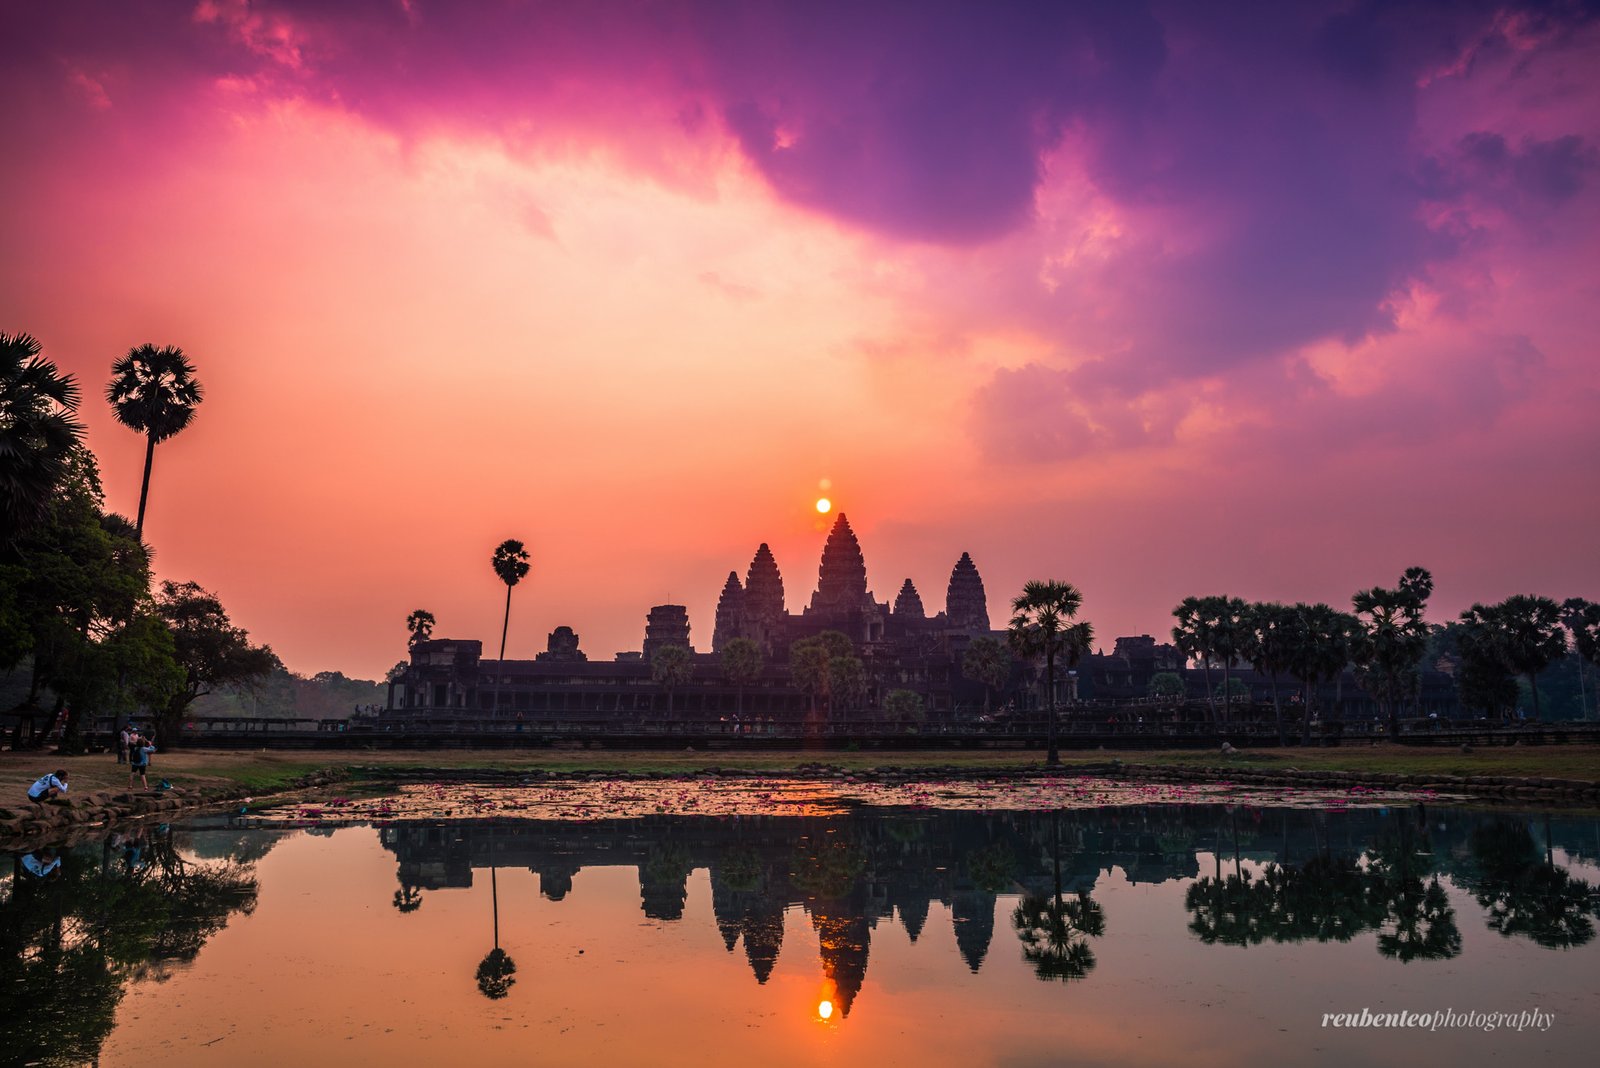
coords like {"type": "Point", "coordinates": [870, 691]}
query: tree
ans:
{"type": "Point", "coordinates": [1524, 632]}
{"type": "Point", "coordinates": [212, 652]}
{"type": "Point", "coordinates": [420, 625]}
{"type": "Point", "coordinates": [1041, 626]}
{"type": "Point", "coordinates": [1483, 681]}
{"type": "Point", "coordinates": [1269, 629]}
{"type": "Point", "coordinates": [987, 661]}
{"type": "Point", "coordinates": [1194, 637]}
{"type": "Point", "coordinates": [847, 683]}
{"type": "Point", "coordinates": [810, 661]}
{"type": "Point", "coordinates": [742, 662]}
{"type": "Point", "coordinates": [1320, 640]}
{"type": "Point", "coordinates": [511, 564]}
{"type": "Point", "coordinates": [1166, 684]}
{"type": "Point", "coordinates": [153, 392]}
{"type": "Point", "coordinates": [671, 666]}
{"type": "Point", "coordinates": [1229, 638]}
{"type": "Point", "coordinates": [904, 707]}
{"type": "Point", "coordinates": [1582, 620]}
{"type": "Point", "coordinates": [1393, 638]}
{"type": "Point", "coordinates": [38, 433]}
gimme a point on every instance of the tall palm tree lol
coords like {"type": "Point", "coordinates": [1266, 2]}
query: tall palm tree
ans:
{"type": "Point", "coordinates": [1320, 642]}
{"type": "Point", "coordinates": [1193, 637]}
{"type": "Point", "coordinates": [153, 392]}
{"type": "Point", "coordinates": [1527, 634]}
{"type": "Point", "coordinates": [1041, 626]}
{"type": "Point", "coordinates": [1394, 638]}
{"type": "Point", "coordinates": [511, 564]}
{"type": "Point", "coordinates": [1268, 643]}
{"type": "Point", "coordinates": [420, 625]}
{"type": "Point", "coordinates": [1582, 620]}
{"type": "Point", "coordinates": [37, 431]}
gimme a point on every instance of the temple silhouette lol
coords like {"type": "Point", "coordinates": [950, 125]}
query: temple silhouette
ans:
{"type": "Point", "coordinates": [900, 644]}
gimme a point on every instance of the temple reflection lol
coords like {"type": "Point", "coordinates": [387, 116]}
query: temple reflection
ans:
{"type": "Point", "coordinates": [1275, 875]}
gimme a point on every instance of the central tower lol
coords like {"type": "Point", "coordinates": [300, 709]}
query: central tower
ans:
{"type": "Point", "coordinates": [842, 578]}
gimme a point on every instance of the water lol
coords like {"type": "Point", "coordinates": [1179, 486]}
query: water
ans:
{"type": "Point", "coordinates": [1201, 934]}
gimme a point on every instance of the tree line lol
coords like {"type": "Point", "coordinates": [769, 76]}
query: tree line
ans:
{"type": "Point", "coordinates": [77, 604]}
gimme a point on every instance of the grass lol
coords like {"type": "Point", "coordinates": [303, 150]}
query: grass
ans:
{"type": "Point", "coordinates": [264, 771]}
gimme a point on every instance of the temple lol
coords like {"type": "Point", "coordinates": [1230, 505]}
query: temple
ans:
{"type": "Point", "coordinates": [900, 646]}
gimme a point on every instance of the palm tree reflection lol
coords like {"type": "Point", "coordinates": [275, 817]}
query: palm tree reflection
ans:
{"type": "Point", "coordinates": [495, 971]}
{"type": "Point", "coordinates": [1054, 929]}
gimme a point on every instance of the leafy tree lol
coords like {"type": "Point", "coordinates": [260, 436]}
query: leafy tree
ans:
{"type": "Point", "coordinates": [153, 392]}
{"type": "Point", "coordinates": [511, 564]}
{"type": "Point", "coordinates": [1393, 638]}
{"type": "Point", "coordinates": [904, 707]}
{"type": "Point", "coordinates": [1524, 633]}
{"type": "Point", "coordinates": [212, 652]}
{"type": "Point", "coordinates": [1269, 632]}
{"type": "Point", "coordinates": [847, 683]}
{"type": "Point", "coordinates": [811, 660]}
{"type": "Point", "coordinates": [1582, 620]}
{"type": "Point", "coordinates": [987, 661]}
{"type": "Point", "coordinates": [1228, 689]}
{"type": "Point", "coordinates": [38, 433]}
{"type": "Point", "coordinates": [1194, 635]}
{"type": "Point", "coordinates": [1483, 682]}
{"type": "Point", "coordinates": [1166, 684]}
{"type": "Point", "coordinates": [1041, 626]}
{"type": "Point", "coordinates": [742, 663]}
{"type": "Point", "coordinates": [1320, 644]}
{"type": "Point", "coordinates": [671, 666]}
{"type": "Point", "coordinates": [420, 624]}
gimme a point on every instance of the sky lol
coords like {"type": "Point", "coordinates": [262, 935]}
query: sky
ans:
{"type": "Point", "coordinates": [1160, 300]}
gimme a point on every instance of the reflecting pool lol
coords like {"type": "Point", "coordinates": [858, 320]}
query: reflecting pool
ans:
{"type": "Point", "coordinates": [1148, 934]}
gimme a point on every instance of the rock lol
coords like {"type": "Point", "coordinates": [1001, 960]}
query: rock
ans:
{"type": "Point", "coordinates": [1228, 749]}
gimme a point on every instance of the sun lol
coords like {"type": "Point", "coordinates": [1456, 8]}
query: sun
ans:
{"type": "Point", "coordinates": [824, 505]}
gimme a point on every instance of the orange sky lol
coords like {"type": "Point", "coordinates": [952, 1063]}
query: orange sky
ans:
{"type": "Point", "coordinates": [595, 316]}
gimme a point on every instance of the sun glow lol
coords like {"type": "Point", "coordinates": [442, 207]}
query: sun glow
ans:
{"type": "Point", "coordinates": [824, 505]}
{"type": "Point", "coordinates": [825, 1009]}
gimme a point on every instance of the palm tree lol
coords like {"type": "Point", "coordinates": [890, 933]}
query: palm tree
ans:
{"type": "Point", "coordinates": [37, 431]}
{"type": "Point", "coordinates": [671, 666]}
{"type": "Point", "coordinates": [1582, 620]}
{"type": "Point", "coordinates": [986, 661]}
{"type": "Point", "coordinates": [1320, 641]}
{"type": "Point", "coordinates": [1269, 630]}
{"type": "Point", "coordinates": [1040, 626]}
{"type": "Point", "coordinates": [1193, 637]}
{"type": "Point", "coordinates": [1525, 632]}
{"type": "Point", "coordinates": [511, 564]}
{"type": "Point", "coordinates": [420, 624]}
{"type": "Point", "coordinates": [742, 663]}
{"type": "Point", "coordinates": [1228, 640]}
{"type": "Point", "coordinates": [153, 392]}
{"type": "Point", "coordinates": [1394, 638]}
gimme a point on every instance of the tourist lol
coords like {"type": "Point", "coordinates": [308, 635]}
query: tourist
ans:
{"type": "Point", "coordinates": [48, 787]}
{"type": "Point", "coordinates": [139, 750]}
{"type": "Point", "coordinates": [42, 866]}
{"type": "Point", "coordinates": [123, 738]}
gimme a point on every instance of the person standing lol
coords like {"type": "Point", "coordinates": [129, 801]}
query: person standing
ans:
{"type": "Point", "coordinates": [139, 750]}
{"type": "Point", "coordinates": [122, 743]}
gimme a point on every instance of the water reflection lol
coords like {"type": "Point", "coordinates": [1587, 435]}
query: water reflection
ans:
{"type": "Point", "coordinates": [73, 935]}
{"type": "Point", "coordinates": [805, 901]}
{"type": "Point", "coordinates": [1295, 876]}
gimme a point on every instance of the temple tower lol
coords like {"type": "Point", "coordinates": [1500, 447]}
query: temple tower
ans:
{"type": "Point", "coordinates": [667, 624]}
{"type": "Point", "coordinates": [908, 603]}
{"type": "Point", "coordinates": [730, 613]}
{"type": "Point", "coordinates": [763, 588]}
{"type": "Point", "coordinates": [842, 578]}
{"type": "Point", "coordinates": [965, 605]}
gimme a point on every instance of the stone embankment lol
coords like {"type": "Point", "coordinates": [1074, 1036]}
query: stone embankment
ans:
{"type": "Point", "coordinates": [70, 818]}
